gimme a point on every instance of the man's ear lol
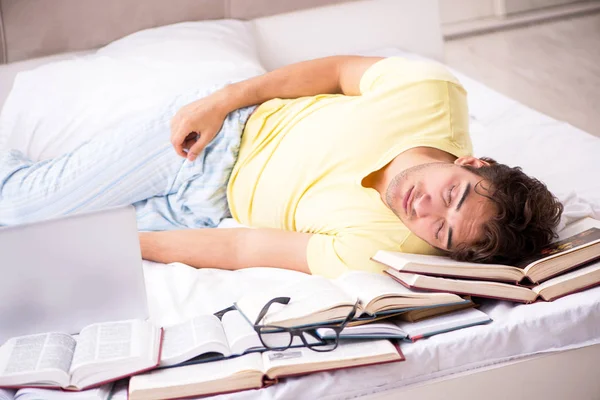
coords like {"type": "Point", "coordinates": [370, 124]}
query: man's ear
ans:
{"type": "Point", "coordinates": [471, 162]}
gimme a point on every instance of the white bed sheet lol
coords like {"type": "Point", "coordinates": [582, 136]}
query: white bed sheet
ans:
{"type": "Point", "coordinates": [500, 127]}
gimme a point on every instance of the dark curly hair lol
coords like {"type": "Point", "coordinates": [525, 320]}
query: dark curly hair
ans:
{"type": "Point", "coordinates": [527, 214]}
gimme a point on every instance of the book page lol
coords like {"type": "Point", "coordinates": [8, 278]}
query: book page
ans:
{"type": "Point", "coordinates": [369, 286]}
{"type": "Point", "coordinates": [198, 379]}
{"type": "Point", "coordinates": [470, 287]}
{"type": "Point", "coordinates": [569, 282]}
{"type": "Point", "coordinates": [109, 341]}
{"type": "Point", "coordinates": [308, 297]}
{"type": "Point", "coordinates": [241, 336]}
{"type": "Point", "coordinates": [348, 353]}
{"type": "Point", "coordinates": [203, 333]}
{"type": "Point", "coordinates": [48, 351]}
{"type": "Point", "coordinates": [99, 393]}
{"type": "Point", "coordinates": [445, 266]}
{"type": "Point", "coordinates": [399, 260]}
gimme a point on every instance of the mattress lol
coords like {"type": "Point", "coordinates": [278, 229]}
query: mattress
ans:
{"type": "Point", "coordinates": [504, 129]}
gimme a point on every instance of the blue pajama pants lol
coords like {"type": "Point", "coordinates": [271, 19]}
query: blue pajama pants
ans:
{"type": "Point", "coordinates": [133, 164]}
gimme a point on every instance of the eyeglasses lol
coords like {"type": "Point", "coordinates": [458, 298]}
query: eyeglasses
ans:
{"type": "Point", "coordinates": [280, 338]}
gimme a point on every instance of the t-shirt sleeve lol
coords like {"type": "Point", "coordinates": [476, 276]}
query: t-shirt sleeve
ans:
{"type": "Point", "coordinates": [397, 72]}
{"type": "Point", "coordinates": [332, 255]}
{"type": "Point", "coordinates": [424, 98]}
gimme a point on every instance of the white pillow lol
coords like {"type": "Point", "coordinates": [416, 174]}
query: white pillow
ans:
{"type": "Point", "coordinates": [54, 108]}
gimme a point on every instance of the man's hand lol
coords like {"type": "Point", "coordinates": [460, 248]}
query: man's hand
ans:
{"type": "Point", "coordinates": [196, 124]}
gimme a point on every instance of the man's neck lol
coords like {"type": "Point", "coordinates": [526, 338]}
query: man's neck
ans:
{"type": "Point", "coordinates": [381, 179]}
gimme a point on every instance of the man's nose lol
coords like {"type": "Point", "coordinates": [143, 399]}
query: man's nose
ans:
{"type": "Point", "coordinates": [422, 206]}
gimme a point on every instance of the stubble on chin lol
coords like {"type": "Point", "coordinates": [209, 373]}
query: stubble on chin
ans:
{"type": "Point", "coordinates": [395, 183]}
{"type": "Point", "coordinates": [392, 188]}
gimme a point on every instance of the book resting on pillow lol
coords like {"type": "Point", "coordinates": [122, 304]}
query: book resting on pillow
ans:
{"type": "Point", "coordinates": [101, 353]}
{"type": "Point", "coordinates": [257, 370]}
{"type": "Point", "coordinates": [559, 257]}
{"type": "Point", "coordinates": [316, 300]}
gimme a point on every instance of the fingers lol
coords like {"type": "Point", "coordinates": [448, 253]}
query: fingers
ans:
{"type": "Point", "coordinates": [200, 144]}
{"type": "Point", "coordinates": [178, 138]}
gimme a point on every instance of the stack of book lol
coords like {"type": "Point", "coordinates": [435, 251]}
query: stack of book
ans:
{"type": "Point", "coordinates": [562, 268]}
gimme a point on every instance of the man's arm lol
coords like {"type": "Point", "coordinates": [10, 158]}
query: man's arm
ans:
{"type": "Point", "coordinates": [228, 248]}
{"type": "Point", "coordinates": [329, 75]}
{"type": "Point", "coordinates": [196, 124]}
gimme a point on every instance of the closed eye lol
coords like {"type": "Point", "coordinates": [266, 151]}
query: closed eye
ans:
{"type": "Point", "coordinates": [437, 233]}
{"type": "Point", "coordinates": [449, 199]}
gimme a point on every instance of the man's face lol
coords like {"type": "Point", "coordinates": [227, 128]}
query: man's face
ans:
{"type": "Point", "coordinates": [437, 202]}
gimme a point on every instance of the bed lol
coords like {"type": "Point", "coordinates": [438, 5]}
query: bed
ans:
{"type": "Point", "coordinates": [543, 350]}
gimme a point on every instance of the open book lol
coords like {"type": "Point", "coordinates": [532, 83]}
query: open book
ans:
{"type": "Point", "coordinates": [256, 370]}
{"type": "Point", "coordinates": [101, 353]}
{"type": "Point", "coordinates": [571, 282]}
{"type": "Point", "coordinates": [412, 331]}
{"type": "Point", "coordinates": [557, 258]}
{"type": "Point", "coordinates": [317, 300]}
{"type": "Point", "coordinates": [103, 392]}
{"type": "Point", "coordinates": [206, 338]}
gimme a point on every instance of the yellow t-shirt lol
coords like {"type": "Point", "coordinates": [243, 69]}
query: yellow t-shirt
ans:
{"type": "Point", "coordinates": [301, 161]}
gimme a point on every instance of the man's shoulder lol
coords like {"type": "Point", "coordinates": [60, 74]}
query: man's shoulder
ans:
{"type": "Point", "coordinates": [404, 70]}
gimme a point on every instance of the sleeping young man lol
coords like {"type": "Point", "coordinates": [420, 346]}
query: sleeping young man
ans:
{"type": "Point", "coordinates": [325, 162]}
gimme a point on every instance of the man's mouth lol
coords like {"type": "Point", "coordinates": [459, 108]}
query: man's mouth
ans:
{"type": "Point", "coordinates": [406, 200]}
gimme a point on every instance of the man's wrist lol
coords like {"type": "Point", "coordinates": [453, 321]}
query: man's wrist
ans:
{"type": "Point", "coordinates": [229, 98]}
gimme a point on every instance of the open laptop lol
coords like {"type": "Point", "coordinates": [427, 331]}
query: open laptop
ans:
{"type": "Point", "coordinates": [63, 274]}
